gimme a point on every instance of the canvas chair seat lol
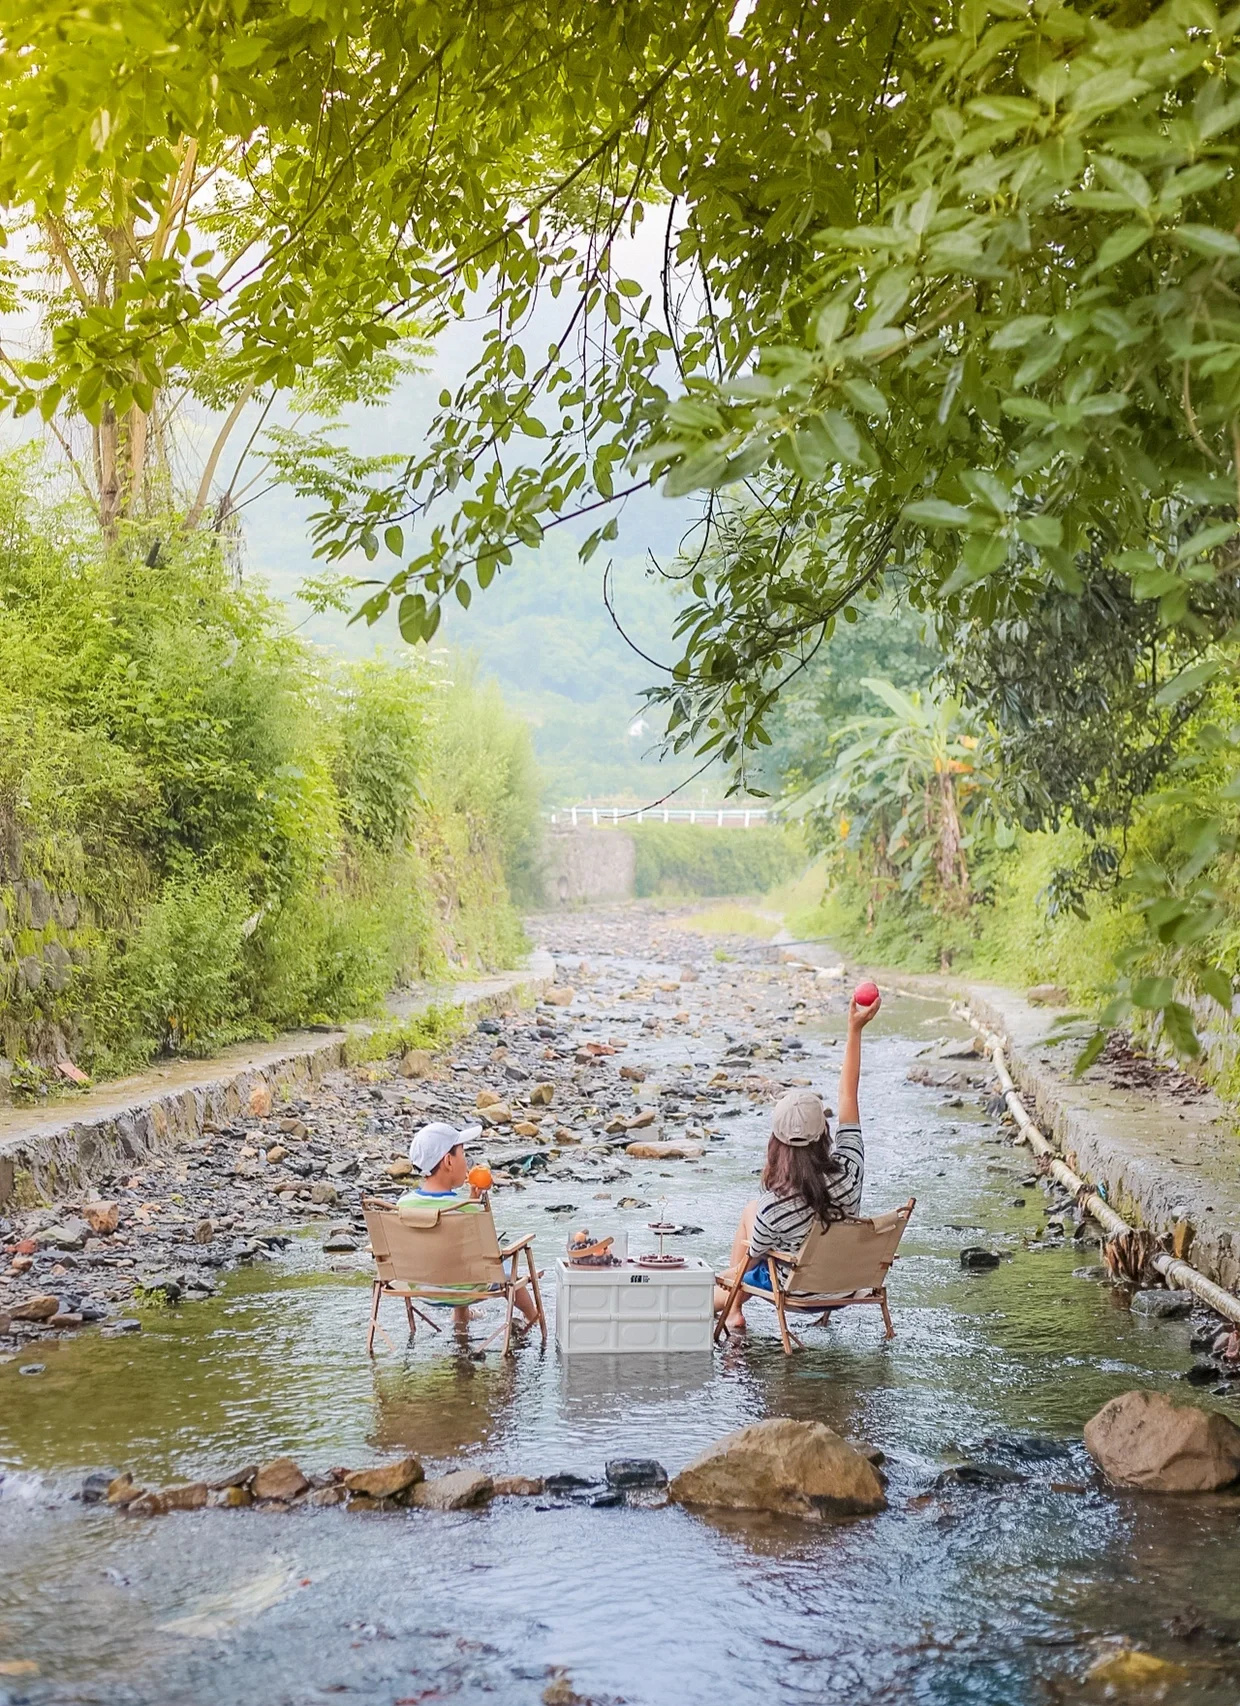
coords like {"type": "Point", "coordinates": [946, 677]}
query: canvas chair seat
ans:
{"type": "Point", "coordinates": [839, 1265]}
{"type": "Point", "coordinates": [445, 1254]}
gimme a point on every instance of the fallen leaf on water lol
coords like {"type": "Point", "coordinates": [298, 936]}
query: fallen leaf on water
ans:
{"type": "Point", "coordinates": [225, 1610]}
{"type": "Point", "coordinates": [1136, 1669]}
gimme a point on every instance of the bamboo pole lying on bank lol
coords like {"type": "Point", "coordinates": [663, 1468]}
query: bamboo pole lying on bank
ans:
{"type": "Point", "coordinates": [1176, 1272]}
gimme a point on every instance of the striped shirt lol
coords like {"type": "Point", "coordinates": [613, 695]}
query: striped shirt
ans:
{"type": "Point", "coordinates": [783, 1223]}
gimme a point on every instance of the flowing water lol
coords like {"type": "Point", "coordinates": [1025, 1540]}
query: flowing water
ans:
{"type": "Point", "coordinates": [961, 1595]}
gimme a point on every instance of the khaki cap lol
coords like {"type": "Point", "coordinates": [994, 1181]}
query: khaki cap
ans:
{"type": "Point", "coordinates": [799, 1118]}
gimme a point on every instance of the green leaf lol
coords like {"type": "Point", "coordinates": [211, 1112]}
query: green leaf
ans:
{"type": "Point", "coordinates": [845, 438]}
{"type": "Point", "coordinates": [1019, 332]}
{"type": "Point", "coordinates": [937, 512]}
{"type": "Point", "coordinates": [1089, 1054]}
{"type": "Point", "coordinates": [1120, 244]}
{"type": "Point", "coordinates": [1189, 680]}
{"type": "Point", "coordinates": [1179, 1030]}
{"type": "Point", "coordinates": [866, 395]}
{"type": "Point", "coordinates": [1153, 993]}
{"type": "Point", "coordinates": [1217, 984]}
{"type": "Point", "coordinates": [1045, 531]}
{"type": "Point", "coordinates": [394, 539]}
{"type": "Point", "coordinates": [1207, 240]}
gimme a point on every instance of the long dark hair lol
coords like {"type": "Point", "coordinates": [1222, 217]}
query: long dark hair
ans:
{"type": "Point", "coordinates": [804, 1170]}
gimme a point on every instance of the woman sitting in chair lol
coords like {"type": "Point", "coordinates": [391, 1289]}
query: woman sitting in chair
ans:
{"type": "Point", "coordinates": [807, 1176]}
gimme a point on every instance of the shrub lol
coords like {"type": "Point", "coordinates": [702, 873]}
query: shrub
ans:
{"type": "Point", "coordinates": [224, 831]}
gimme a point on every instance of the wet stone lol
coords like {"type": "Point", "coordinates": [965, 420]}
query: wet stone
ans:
{"type": "Point", "coordinates": [982, 1475]}
{"type": "Point", "coordinates": [279, 1479]}
{"type": "Point", "coordinates": [1162, 1305]}
{"type": "Point", "coordinates": [94, 1489]}
{"type": "Point", "coordinates": [977, 1260]}
{"type": "Point", "coordinates": [626, 1472]}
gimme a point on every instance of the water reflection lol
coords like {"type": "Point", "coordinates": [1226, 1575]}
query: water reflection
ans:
{"type": "Point", "coordinates": [449, 1406]}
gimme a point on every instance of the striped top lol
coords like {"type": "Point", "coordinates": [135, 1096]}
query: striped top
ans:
{"type": "Point", "coordinates": [783, 1223]}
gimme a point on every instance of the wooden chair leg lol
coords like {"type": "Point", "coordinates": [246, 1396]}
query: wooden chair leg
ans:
{"type": "Point", "coordinates": [882, 1303]}
{"type": "Point", "coordinates": [413, 1326]}
{"type": "Point", "coordinates": [376, 1292]}
{"type": "Point", "coordinates": [777, 1298]}
{"type": "Point", "coordinates": [429, 1320]}
{"type": "Point", "coordinates": [721, 1325]}
{"type": "Point", "coordinates": [512, 1302]}
{"type": "Point", "coordinates": [536, 1290]}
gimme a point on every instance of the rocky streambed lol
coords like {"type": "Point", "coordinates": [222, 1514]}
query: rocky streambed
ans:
{"type": "Point", "coordinates": [999, 1565]}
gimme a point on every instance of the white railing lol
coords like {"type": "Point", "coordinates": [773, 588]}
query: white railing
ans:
{"type": "Point", "coordinates": [711, 817]}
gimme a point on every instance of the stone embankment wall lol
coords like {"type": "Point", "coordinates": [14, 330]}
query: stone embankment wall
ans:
{"type": "Point", "coordinates": [1160, 1156]}
{"type": "Point", "coordinates": [44, 938]}
{"type": "Point", "coordinates": [588, 864]}
{"type": "Point", "coordinates": [50, 1151]}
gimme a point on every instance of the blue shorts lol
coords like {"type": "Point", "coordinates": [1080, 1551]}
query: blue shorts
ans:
{"type": "Point", "coordinates": [759, 1275]}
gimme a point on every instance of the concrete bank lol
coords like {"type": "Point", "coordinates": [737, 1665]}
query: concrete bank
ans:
{"type": "Point", "coordinates": [65, 1146]}
{"type": "Point", "coordinates": [1160, 1151]}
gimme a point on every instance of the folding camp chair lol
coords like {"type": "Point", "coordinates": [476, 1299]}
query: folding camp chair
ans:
{"type": "Point", "coordinates": [838, 1265]}
{"type": "Point", "coordinates": [432, 1254]}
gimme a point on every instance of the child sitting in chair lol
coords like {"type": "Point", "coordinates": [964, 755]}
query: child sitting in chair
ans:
{"type": "Point", "coordinates": [438, 1153]}
{"type": "Point", "coordinates": [807, 1176]}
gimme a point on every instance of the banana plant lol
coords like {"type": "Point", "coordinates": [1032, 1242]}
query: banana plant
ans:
{"type": "Point", "coordinates": [910, 790]}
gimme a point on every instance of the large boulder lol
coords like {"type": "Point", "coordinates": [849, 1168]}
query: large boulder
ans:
{"type": "Point", "coordinates": [1142, 1439]}
{"type": "Point", "coordinates": [795, 1468]}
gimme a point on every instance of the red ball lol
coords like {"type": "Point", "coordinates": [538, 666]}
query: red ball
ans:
{"type": "Point", "coordinates": [865, 994]}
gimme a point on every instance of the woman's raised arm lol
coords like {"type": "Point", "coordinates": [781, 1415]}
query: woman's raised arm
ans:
{"type": "Point", "coordinates": [850, 1070]}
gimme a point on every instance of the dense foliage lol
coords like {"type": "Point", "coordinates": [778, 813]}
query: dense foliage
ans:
{"type": "Point", "coordinates": [679, 859]}
{"type": "Point", "coordinates": [948, 300]}
{"type": "Point", "coordinates": [238, 834]}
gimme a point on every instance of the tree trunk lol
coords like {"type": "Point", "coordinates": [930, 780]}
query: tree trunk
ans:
{"type": "Point", "coordinates": [950, 860]}
{"type": "Point", "coordinates": [107, 461]}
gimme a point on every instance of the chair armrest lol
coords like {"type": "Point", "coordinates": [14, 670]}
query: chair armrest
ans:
{"type": "Point", "coordinates": [780, 1256]}
{"type": "Point", "coordinates": [520, 1244]}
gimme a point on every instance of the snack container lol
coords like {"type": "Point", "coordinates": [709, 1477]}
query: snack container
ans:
{"type": "Point", "coordinates": [632, 1309]}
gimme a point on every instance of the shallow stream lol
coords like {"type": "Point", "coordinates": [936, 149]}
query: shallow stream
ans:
{"type": "Point", "coordinates": [951, 1596]}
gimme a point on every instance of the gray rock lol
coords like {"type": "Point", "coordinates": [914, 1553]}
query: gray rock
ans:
{"type": "Point", "coordinates": [32, 1368]}
{"type": "Point", "coordinates": [626, 1472]}
{"type": "Point", "coordinates": [95, 1486]}
{"type": "Point", "coordinates": [63, 1235]}
{"type": "Point", "coordinates": [975, 1260]}
{"type": "Point", "coordinates": [115, 1329]}
{"type": "Point", "coordinates": [32, 972]}
{"type": "Point", "coordinates": [167, 1286]}
{"type": "Point", "coordinates": [986, 1475]}
{"type": "Point", "coordinates": [1162, 1305]}
{"type": "Point", "coordinates": [339, 1243]}
{"type": "Point", "coordinates": [57, 966]}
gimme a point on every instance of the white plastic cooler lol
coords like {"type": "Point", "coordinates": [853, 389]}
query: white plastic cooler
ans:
{"type": "Point", "coordinates": [634, 1309]}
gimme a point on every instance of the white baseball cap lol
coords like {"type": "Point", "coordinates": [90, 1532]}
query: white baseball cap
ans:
{"type": "Point", "coordinates": [433, 1142]}
{"type": "Point", "coordinates": [799, 1119]}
